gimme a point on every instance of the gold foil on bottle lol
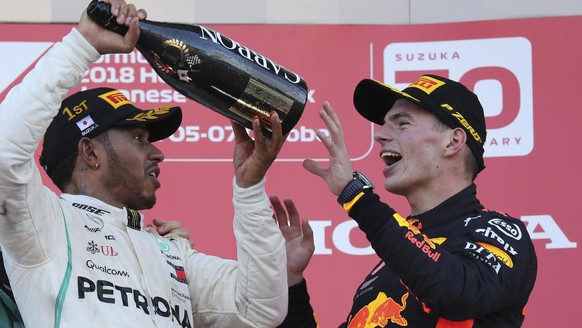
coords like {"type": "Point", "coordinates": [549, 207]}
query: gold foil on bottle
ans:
{"type": "Point", "coordinates": [259, 99]}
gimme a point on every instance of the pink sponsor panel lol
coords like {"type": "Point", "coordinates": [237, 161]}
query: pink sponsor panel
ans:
{"type": "Point", "coordinates": [524, 71]}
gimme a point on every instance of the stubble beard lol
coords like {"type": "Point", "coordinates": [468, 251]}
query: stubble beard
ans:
{"type": "Point", "coordinates": [130, 192]}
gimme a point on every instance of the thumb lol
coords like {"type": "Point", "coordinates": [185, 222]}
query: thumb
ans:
{"type": "Point", "coordinates": [132, 34]}
{"type": "Point", "coordinates": [313, 167]}
{"type": "Point", "coordinates": [158, 222]}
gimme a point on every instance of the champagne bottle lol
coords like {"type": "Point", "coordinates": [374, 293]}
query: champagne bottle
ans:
{"type": "Point", "coordinates": [216, 71]}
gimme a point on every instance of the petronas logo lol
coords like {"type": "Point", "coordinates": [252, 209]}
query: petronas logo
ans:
{"type": "Point", "coordinates": [163, 245]}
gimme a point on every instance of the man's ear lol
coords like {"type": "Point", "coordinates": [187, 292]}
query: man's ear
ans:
{"type": "Point", "coordinates": [457, 139]}
{"type": "Point", "coordinates": [88, 154]}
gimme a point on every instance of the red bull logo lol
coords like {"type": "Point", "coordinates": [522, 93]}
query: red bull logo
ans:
{"type": "Point", "coordinates": [426, 245]}
{"type": "Point", "coordinates": [404, 223]}
{"type": "Point", "coordinates": [380, 312]}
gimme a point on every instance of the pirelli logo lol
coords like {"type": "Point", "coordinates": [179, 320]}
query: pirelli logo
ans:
{"type": "Point", "coordinates": [427, 84]}
{"type": "Point", "coordinates": [115, 98]}
{"type": "Point", "coordinates": [463, 122]}
{"type": "Point", "coordinates": [468, 127]}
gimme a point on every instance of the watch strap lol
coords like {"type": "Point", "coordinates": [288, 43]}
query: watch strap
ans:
{"type": "Point", "coordinates": [358, 183]}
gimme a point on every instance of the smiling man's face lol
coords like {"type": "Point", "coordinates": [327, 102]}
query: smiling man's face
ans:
{"type": "Point", "coordinates": [412, 141]}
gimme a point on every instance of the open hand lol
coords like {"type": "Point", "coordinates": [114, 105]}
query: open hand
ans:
{"type": "Point", "coordinates": [298, 238]}
{"type": "Point", "coordinates": [105, 41]}
{"type": "Point", "coordinates": [340, 169]}
{"type": "Point", "coordinates": [252, 158]}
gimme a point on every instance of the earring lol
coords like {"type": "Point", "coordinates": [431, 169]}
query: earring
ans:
{"type": "Point", "coordinates": [96, 165]}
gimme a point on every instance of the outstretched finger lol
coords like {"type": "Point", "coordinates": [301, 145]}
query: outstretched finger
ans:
{"type": "Point", "coordinates": [280, 213]}
{"type": "Point", "coordinates": [259, 136]}
{"type": "Point", "coordinates": [276, 131]}
{"type": "Point", "coordinates": [307, 235]}
{"type": "Point", "coordinates": [333, 124]}
{"type": "Point", "coordinates": [294, 220]}
{"type": "Point", "coordinates": [332, 114]}
{"type": "Point", "coordinates": [240, 132]}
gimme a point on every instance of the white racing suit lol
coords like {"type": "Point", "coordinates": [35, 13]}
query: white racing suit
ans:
{"type": "Point", "coordinates": [74, 261]}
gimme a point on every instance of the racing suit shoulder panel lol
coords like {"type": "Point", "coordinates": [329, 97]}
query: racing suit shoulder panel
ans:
{"type": "Point", "coordinates": [505, 237]}
{"type": "Point", "coordinates": [498, 229]}
{"type": "Point", "coordinates": [508, 240]}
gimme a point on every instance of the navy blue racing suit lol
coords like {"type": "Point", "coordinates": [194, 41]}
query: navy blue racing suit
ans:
{"type": "Point", "coordinates": [457, 265]}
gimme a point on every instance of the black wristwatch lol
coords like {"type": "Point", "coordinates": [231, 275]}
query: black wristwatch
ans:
{"type": "Point", "coordinates": [353, 188]}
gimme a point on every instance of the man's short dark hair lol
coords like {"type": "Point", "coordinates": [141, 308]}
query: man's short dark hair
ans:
{"type": "Point", "coordinates": [63, 171]}
{"type": "Point", "coordinates": [471, 165]}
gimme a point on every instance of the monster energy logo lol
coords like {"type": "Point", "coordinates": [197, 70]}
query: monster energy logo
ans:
{"type": "Point", "coordinates": [133, 219]}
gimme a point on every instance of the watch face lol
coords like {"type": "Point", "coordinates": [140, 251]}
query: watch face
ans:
{"type": "Point", "coordinates": [364, 180]}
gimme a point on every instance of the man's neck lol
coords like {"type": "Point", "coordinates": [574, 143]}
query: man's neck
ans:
{"type": "Point", "coordinates": [428, 197]}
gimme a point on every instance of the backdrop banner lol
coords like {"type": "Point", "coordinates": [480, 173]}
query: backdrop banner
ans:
{"type": "Point", "coordinates": [524, 71]}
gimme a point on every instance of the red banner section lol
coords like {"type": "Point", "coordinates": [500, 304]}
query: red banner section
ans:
{"type": "Point", "coordinates": [524, 71]}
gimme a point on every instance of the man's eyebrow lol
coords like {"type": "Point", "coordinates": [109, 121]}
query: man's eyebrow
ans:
{"type": "Point", "coordinates": [397, 115]}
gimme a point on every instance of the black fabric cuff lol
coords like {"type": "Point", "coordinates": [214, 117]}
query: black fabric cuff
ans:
{"type": "Point", "coordinates": [300, 312]}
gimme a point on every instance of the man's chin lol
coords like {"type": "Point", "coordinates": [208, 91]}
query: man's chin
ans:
{"type": "Point", "coordinates": [144, 204]}
{"type": "Point", "coordinates": [150, 203]}
{"type": "Point", "coordinates": [393, 188]}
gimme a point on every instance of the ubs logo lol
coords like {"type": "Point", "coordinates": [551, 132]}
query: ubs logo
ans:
{"type": "Point", "coordinates": [106, 250]}
{"type": "Point", "coordinates": [498, 70]}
